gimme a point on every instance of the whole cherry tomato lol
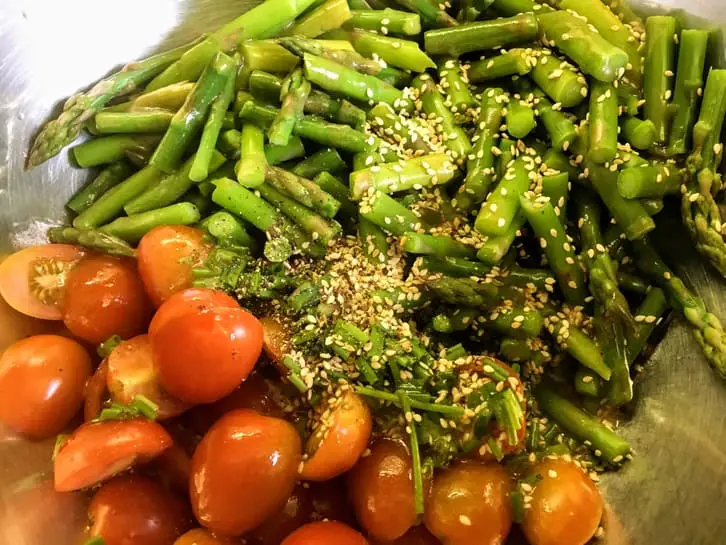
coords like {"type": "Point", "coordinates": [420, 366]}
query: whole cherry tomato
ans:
{"type": "Point", "coordinates": [566, 506]}
{"type": "Point", "coordinates": [99, 450]}
{"type": "Point", "coordinates": [200, 536]}
{"type": "Point", "coordinates": [131, 372]}
{"type": "Point", "coordinates": [382, 492]}
{"type": "Point", "coordinates": [418, 535]}
{"type": "Point", "coordinates": [339, 439]}
{"type": "Point", "coordinates": [95, 393]}
{"type": "Point", "coordinates": [41, 384]}
{"type": "Point", "coordinates": [325, 533]}
{"type": "Point", "coordinates": [296, 512]}
{"type": "Point", "coordinates": [173, 467]}
{"type": "Point", "coordinates": [105, 297]}
{"type": "Point", "coordinates": [203, 357]}
{"type": "Point", "coordinates": [190, 301]}
{"type": "Point", "coordinates": [167, 256]}
{"type": "Point", "coordinates": [33, 280]}
{"type": "Point", "coordinates": [134, 510]}
{"type": "Point", "coordinates": [469, 503]}
{"type": "Point", "coordinates": [243, 471]}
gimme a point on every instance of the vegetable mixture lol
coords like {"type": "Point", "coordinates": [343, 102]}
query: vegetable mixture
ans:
{"type": "Point", "coordinates": [361, 271]}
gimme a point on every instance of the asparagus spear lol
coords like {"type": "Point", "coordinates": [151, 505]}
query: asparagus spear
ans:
{"type": "Point", "coordinates": [560, 128]}
{"type": "Point", "coordinates": [658, 72]}
{"type": "Point", "coordinates": [707, 148]}
{"type": "Point", "coordinates": [170, 98]}
{"type": "Point", "coordinates": [404, 54]}
{"type": "Point", "coordinates": [385, 21]}
{"type": "Point", "coordinates": [501, 206]}
{"type": "Point", "coordinates": [326, 16]}
{"type": "Point", "coordinates": [252, 166]}
{"type": "Point", "coordinates": [650, 181]}
{"type": "Point", "coordinates": [146, 121]}
{"type": "Point", "coordinates": [603, 123]}
{"type": "Point", "coordinates": [227, 229]}
{"type": "Point", "coordinates": [348, 211]}
{"type": "Point", "coordinates": [520, 116]}
{"type": "Point", "coordinates": [437, 245]}
{"type": "Point", "coordinates": [389, 214]}
{"type": "Point", "coordinates": [109, 178]}
{"type": "Point", "coordinates": [649, 313]}
{"type": "Point", "coordinates": [266, 55]}
{"type": "Point", "coordinates": [304, 191]}
{"type": "Point", "coordinates": [496, 247]}
{"type": "Point", "coordinates": [110, 149]}
{"type": "Point", "coordinates": [78, 109]}
{"type": "Point", "coordinates": [403, 131]}
{"type": "Point", "coordinates": [430, 11]}
{"type": "Point", "coordinates": [133, 228]}
{"type": "Point", "coordinates": [558, 79]}
{"type": "Point", "coordinates": [375, 243]}
{"type": "Point", "coordinates": [515, 61]}
{"type": "Point", "coordinates": [92, 239]}
{"type": "Point", "coordinates": [639, 133]}
{"type": "Point", "coordinates": [324, 160]}
{"type": "Point", "coordinates": [294, 93]}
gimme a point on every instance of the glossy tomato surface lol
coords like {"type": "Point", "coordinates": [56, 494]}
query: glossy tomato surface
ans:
{"type": "Point", "coordinates": [167, 256]}
{"type": "Point", "coordinates": [200, 536]}
{"type": "Point", "coordinates": [99, 450]}
{"type": "Point", "coordinates": [243, 471]}
{"type": "Point", "coordinates": [325, 533]}
{"type": "Point", "coordinates": [134, 510]}
{"type": "Point", "coordinates": [418, 535]}
{"type": "Point", "coordinates": [105, 297]}
{"type": "Point", "coordinates": [202, 358]}
{"type": "Point", "coordinates": [339, 439]}
{"type": "Point", "coordinates": [33, 280]}
{"type": "Point", "coordinates": [190, 301]}
{"type": "Point", "coordinates": [42, 379]}
{"type": "Point", "coordinates": [381, 490]}
{"type": "Point", "coordinates": [95, 393]}
{"type": "Point", "coordinates": [566, 506]}
{"type": "Point", "coordinates": [131, 372]}
{"type": "Point", "coordinates": [470, 503]}
{"type": "Point", "coordinates": [296, 512]}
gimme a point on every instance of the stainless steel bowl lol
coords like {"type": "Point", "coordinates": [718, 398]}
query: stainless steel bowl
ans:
{"type": "Point", "coordinates": [672, 493]}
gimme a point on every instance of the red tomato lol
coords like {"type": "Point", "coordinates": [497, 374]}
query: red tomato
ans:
{"type": "Point", "coordinates": [338, 440]}
{"type": "Point", "coordinates": [105, 297]}
{"type": "Point", "coordinates": [331, 501]}
{"type": "Point", "coordinates": [296, 512]}
{"type": "Point", "coordinates": [418, 535]}
{"type": "Point", "coordinates": [243, 471]}
{"type": "Point", "coordinates": [33, 280]}
{"type": "Point", "coordinates": [174, 467]}
{"type": "Point", "coordinates": [203, 537]}
{"type": "Point", "coordinates": [566, 506]}
{"type": "Point", "coordinates": [469, 503]}
{"type": "Point", "coordinates": [134, 510]}
{"type": "Point", "coordinates": [203, 357]}
{"type": "Point", "coordinates": [95, 393]}
{"type": "Point", "coordinates": [99, 450]}
{"type": "Point", "coordinates": [325, 533]}
{"type": "Point", "coordinates": [191, 301]}
{"type": "Point", "coordinates": [381, 489]}
{"type": "Point", "coordinates": [131, 372]}
{"type": "Point", "coordinates": [167, 255]}
{"type": "Point", "coordinates": [276, 339]}
{"type": "Point", "coordinates": [41, 384]}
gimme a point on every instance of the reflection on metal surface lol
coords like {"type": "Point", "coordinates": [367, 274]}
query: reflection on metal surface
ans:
{"type": "Point", "coordinates": [672, 493]}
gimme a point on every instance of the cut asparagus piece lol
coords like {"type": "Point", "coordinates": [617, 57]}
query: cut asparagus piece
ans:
{"type": "Point", "coordinates": [658, 72]}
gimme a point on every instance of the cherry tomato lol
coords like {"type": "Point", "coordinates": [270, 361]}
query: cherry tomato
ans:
{"type": "Point", "coordinates": [566, 506]}
{"type": "Point", "coordinates": [105, 297]}
{"type": "Point", "coordinates": [191, 301]}
{"type": "Point", "coordinates": [469, 503]}
{"type": "Point", "coordinates": [276, 339]}
{"type": "Point", "coordinates": [131, 372]}
{"type": "Point", "coordinates": [33, 280]}
{"type": "Point", "coordinates": [99, 450]}
{"type": "Point", "coordinates": [167, 255]}
{"type": "Point", "coordinates": [41, 384]}
{"type": "Point", "coordinates": [174, 467]}
{"type": "Point", "coordinates": [203, 537]}
{"type": "Point", "coordinates": [339, 439]}
{"type": "Point", "coordinates": [134, 510]}
{"type": "Point", "coordinates": [296, 512]}
{"type": "Point", "coordinates": [381, 490]}
{"type": "Point", "coordinates": [95, 393]}
{"type": "Point", "coordinates": [243, 471]}
{"type": "Point", "coordinates": [331, 502]}
{"type": "Point", "coordinates": [203, 357]}
{"type": "Point", "coordinates": [325, 533]}
{"type": "Point", "coordinates": [418, 535]}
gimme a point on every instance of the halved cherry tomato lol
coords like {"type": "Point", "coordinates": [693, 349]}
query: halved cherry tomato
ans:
{"type": "Point", "coordinates": [105, 297]}
{"type": "Point", "coordinates": [380, 487]}
{"type": "Point", "coordinates": [296, 512]}
{"type": "Point", "coordinates": [200, 536]}
{"type": "Point", "coordinates": [99, 450]}
{"type": "Point", "coordinates": [134, 510]}
{"type": "Point", "coordinates": [325, 533]}
{"type": "Point", "coordinates": [191, 301]}
{"type": "Point", "coordinates": [41, 384]}
{"type": "Point", "coordinates": [243, 471]}
{"type": "Point", "coordinates": [33, 280]}
{"type": "Point", "coordinates": [167, 255]}
{"type": "Point", "coordinates": [203, 357]}
{"type": "Point", "coordinates": [131, 372]}
{"type": "Point", "coordinates": [339, 439]}
{"type": "Point", "coordinates": [566, 506]}
{"type": "Point", "coordinates": [469, 503]}
{"type": "Point", "coordinates": [276, 339]}
{"type": "Point", "coordinates": [95, 393]}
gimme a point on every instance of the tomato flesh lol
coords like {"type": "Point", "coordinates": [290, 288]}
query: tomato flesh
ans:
{"type": "Point", "coordinates": [99, 450]}
{"type": "Point", "coordinates": [167, 255]}
{"type": "Point", "coordinates": [42, 379]}
{"type": "Point", "coordinates": [95, 393]}
{"type": "Point", "coordinates": [325, 533]}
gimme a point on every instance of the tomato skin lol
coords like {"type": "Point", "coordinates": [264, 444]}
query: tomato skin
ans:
{"type": "Point", "coordinates": [41, 384]}
{"type": "Point", "coordinates": [336, 445]}
{"type": "Point", "coordinates": [418, 535]}
{"type": "Point", "coordinates": [20, 292]}
{"type": "Point", "coordinates": [190, 301]}
{"type": "Point", "coordinates": [200, 536]}
{"type": "Point", "coordinates": [173, 467]}
{"type": "Point", "coordinates": [296, 512]}
{"type": "Point", "coordinates": [469, 503]}
{"type": "Point", "coordinates": [105, 297]}
{"type": "Point", "coordinates": [131, 372]}
{"type": "Point", "coordinates": [276, 339]}
{"type": "Point", "coordinates": [99, 450]}
{"type": "Point", "coordinates": [202, 358]}
{"type": "Point", "coordinates": [331, 502]}
{"type": "Point", "coordinates": [382, 492]}
{"type": "Point", "coordinates": [566, 506]}
{"type": "Point", "coordinates": [167, 256]}
{"type": "Point", "coordinates": [243, 471]}
{"type": "Point", "coordinates": [325, 533]}
{"type": "Point", "coordinates": [134, 510]}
